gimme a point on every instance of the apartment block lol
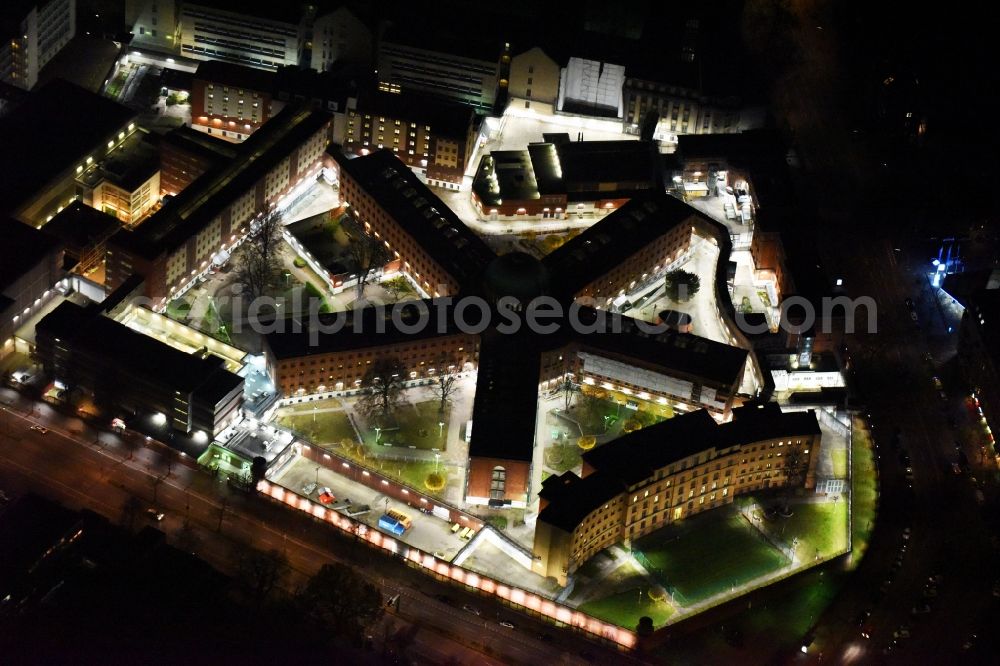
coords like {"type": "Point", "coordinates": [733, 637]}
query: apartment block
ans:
{"type": "Point", "coordinates": [434, 139]}
{"type": "Point", "coordinates": [666, 472]}
{"type": "Point", "coordinates": [32, 32]}
{"type": "Point", "coordinates": [213, 214]}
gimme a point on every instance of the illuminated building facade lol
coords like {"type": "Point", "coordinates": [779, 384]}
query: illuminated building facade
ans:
{"type": "Point", "coordinates": [666, 472]}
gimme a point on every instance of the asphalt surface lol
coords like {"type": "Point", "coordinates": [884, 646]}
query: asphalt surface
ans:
{"type": "Point", "coordinates": [75, 465]}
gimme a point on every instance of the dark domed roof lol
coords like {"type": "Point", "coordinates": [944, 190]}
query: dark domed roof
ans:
{"type": "Point", "coordinates": [516, 274]}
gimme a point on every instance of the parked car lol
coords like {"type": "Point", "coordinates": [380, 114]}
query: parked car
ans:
{"type": "Point", "coordinates": [308, 488]}
{"type": "Point", "coordinates": [956, 468]}
{"type": "Point", "coordinates": [505, 623]}
{"type": "Point", "coordinates": [40, 429]}
{"type": "Point", "coordinates": [471, 609]}
{"type": "Point", "coordinates": [326, 495]}
{"type": "Point", "coordinates": [153, 514]}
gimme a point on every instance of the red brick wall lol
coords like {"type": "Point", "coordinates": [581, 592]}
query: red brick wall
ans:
{"type": "Point", "coordinates": [481, 476]}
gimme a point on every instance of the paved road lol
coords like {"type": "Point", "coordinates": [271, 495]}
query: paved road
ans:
{"type": "Point", "coordinates": [74, 465]}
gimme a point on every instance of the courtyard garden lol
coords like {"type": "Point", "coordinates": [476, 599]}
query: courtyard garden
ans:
{"type": "Point", "coordinates": [418, 425]}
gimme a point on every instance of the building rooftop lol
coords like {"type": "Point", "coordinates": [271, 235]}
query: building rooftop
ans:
{"type": "Point", "coordinates": [419, 212]}
{"type": "Point", "coordinates": [636, 456]}
{"type": "Point", "coordinates": [459, 33]}
{"type": "Point", "coordinates": [297, 83]}
{"type": "Point", "coordinates": [671, 351]}
{"type": "Point", "coordinates": [138, 355]}
{"type": "Point", "coordinates": [237, 76]}
{"type": "Point", "coordinates": [34, 154]}
{"type": "Point", "coordinates": [284, 12]}
{"type": "Point", "coordinates": [506, 401]}
{"type": "Point", "coordinates": [190, 211]}
{"type": "Point", "coordinates": [79, 226]}
{"type": "Point", "coordinates": [614, 238]}
{"type": "Point", "coordinates": [134, 161]}
{"type": "Point", "coordinates": [22, 248]}
{"type": "Point", "coordinates": [450, 120]}
{"type": "Point", "coordinates": [582, 170]}
{"type": "Point", "coordinates": [200, 143]}
{"type": "Point", "coordinates": [367, 328]}
{"type": "Point", "coordinates": [505, 174]}
{"type": "Point", "coordinates": [632, 165]}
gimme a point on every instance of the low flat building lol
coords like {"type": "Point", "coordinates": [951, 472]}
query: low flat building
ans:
{"type": "Point", "coordinates": [559, 178]}
{"type": "Point", "coordinates": [666, 472]}
{"type": "Point", "coordinates": [192, 393]}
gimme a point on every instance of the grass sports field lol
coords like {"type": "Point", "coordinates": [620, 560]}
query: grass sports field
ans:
{"type": "Point", "coordinates": [710, 554]}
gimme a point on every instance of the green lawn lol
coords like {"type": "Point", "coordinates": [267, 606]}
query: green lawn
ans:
{"type": "Point", "coordinates": [839, 459]}
{"type": "Point", "coordinates": [412, 472]}
{"type": "Point", "coordinates": [625, 609]}
{"type": "Point", "coordinates": [563, 457]}
{"type": "Point", "coordinates": [417, 426]}
{"type": "Point", "coordinates": [820, 528]}
{"type": "Point", "coordinates": [864, 490]}
{"type": "Point", "coordinates": [321, 427]}
{"type": "Point", "coordinates": [709, 554]}
{"type": "Point", "coordinates": [178, 309]}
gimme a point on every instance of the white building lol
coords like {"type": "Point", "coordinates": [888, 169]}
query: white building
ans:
{"type": "Point", "coordinates": [340, 37]}
{"type": "Point", "coordinates": [154, 23]}
{"type": "Point", "coordinates": [209, 32]}
{"type": "Point", "coordinates": [32, 32]}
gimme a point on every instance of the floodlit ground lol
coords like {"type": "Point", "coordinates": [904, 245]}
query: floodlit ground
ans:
{"type": "Point", "coordinates": [625, 608]}
{"type": "Point", "coordinates": [327, 422]}
{"type": "Point", "coordinates": [522, 126]}
{"type": "Point", "coordinates": [864, 484]}
{"type": "Point", "coordinates": [429, 533]}
{"type": "Point", "coordinates": [489, 560]}
{"type": "Point", "coordinates": [416, 426]}
{"type": "Point", "coordinates": [321, 427]}
{"type": "Point", "coordinates": [710, 554]}
{"type": "Point", "coordinates": [320, 198]}
{"type": "Point", "coordinates": [818, 528]}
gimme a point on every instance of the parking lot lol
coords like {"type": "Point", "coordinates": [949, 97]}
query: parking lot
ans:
{"type": "Point", "coordinates": [428, 533]}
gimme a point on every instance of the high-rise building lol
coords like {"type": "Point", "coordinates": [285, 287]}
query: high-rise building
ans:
{"type": "Point", "coordinates": [32, 32]}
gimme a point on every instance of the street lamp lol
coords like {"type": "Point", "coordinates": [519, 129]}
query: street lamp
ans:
{"type": "Point", "coordinates": [440, 429]}
{"type": "Point", "coordinates": [437, 458]}
{"type": "Point", "coordinates": [378, 431]}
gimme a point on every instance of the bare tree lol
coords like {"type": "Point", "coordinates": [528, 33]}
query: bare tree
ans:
{"type": "Point", "coordinates": [367, 253]}
{"type": "Point", "coordinates": [260, 574]}
{"type": "Point", "coordinates": [383, 384]}
{"type": "Point", "coordinates": [568, 390]}
{"type": "Point", "coordinates": [445, 385]}
{"type": "Point", "coordinates": [258, 263]}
